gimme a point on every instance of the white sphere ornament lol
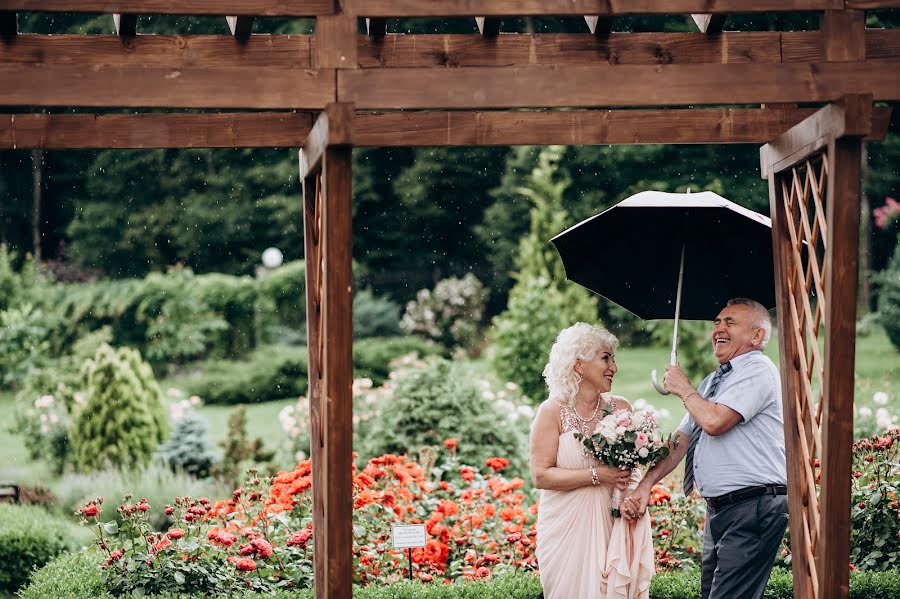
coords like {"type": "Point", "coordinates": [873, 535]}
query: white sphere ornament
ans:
{"type": "Point", "coordinates": [272, 258]}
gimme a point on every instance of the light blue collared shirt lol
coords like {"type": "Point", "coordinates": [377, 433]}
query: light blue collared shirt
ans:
{"type": "Point", "coordinates": [752, 453]}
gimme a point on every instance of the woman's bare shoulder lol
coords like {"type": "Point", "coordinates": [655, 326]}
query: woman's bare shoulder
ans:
{"type": "Point", "coordinates": [619, 401]}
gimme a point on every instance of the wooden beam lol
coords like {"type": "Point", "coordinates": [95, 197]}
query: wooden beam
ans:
{"type": "Point", "coordinates": [506, 8]}
{"type": "Point", "coordinates": [583, 127]}
{"type": "Point", "coordinates": [621, 85]}
{"type": "Point", "coordinates": [327, 195]}
{"type": "Point", "coordinates": [154, 130]}
{"type": "Point", "coordinates": [165, 51]}
{"type": "Point", "coordinates": [262, 8]}
{"type": "Point", "coordinates": [407, 129]}
{"type": "Point", "coordinates": [599, 25]}
{"type": "Point", "coordinates": [488, 26]}
{"type": "Point", "coordinates": [841, 279]}
{"type": "Point", "coordinates": [844, 35]}
{"type": "Point", "coordinates": [710, 24]}
{"type": "Point", "coordinates": [336, 42]}
{"type": "Point", "coordinates": [8, 24]}
{"type": "Point", "coordinates": [333, 127]}
{"type": "Point", "coordinates": [832, 121]}
{"type": "Point", "coordinates": [376, 28]}
{"type": "Point", "coordinates": [392, 51]}
{"type": "Point", "coordinates": [189, 87]}
{"type": "Point", "coordinates": [241, 27]}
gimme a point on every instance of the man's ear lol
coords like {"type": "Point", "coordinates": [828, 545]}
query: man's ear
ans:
{"type": "Point", "coordinates": [758, 336]}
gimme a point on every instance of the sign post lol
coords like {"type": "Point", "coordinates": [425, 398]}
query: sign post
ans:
{"type": "Point", "coordinates": [407, 536]}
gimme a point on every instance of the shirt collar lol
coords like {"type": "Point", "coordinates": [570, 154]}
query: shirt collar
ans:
{"type": "Point", "coordinates": [737, 361]}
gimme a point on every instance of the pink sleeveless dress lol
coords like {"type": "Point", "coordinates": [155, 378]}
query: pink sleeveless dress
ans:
{"type": "Point", "coordinates": [582, 551]}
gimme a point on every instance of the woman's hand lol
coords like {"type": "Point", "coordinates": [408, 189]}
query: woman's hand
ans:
{"type": "Point", "coordinates": [614, 477]}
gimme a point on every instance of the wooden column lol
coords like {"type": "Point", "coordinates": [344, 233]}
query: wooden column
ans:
{"type": "Point", "coordinates": [326, 172]}
{"type": "Point", "coordinates": [814, 185]}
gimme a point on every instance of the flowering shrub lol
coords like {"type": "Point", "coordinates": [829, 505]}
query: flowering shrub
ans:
{"type": "Point", "coordinates": [875, 418]}
{"type": "Point", "coordinates": [677, 523]}
{"type": "Point", "coordinates": [44, 426]}
{"type": "Point", "coordinates": [449, 315]}
{"type": "Point", "coordinates": [875, 515]}
{"type": "Point", "coordinates": [887, 214]}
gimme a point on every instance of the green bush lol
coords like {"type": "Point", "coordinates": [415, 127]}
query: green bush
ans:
{"type": "Point", "coordinates": [30, 537]}
{"type": "Point", "coordinates": [372, 357]}
{"type": "Point", "coordinates": [889, 299]}
{"type": "Point", "coordinates": [235, 300]}
{"type": "Point", "coordinates": [27, 336]}
{"type": "Point", "coordinates": [437, 402]}
{"type": "Point", "coordinates": [375, 316]}
{"type": "Point", "coordinates": [284, 292]}
{"type": "Point", "coordinates": [450, 314]}
{"type": "Point", "coordinates": [76, 576]}
{"type": "Point", "coordinates": [522, 336]}
{"type": "Point", "coordinates": [188, 448]}
{"type": "Point", "coordinates": [123, 420]}
{"type": "Point", "coordinates": [272, 372]}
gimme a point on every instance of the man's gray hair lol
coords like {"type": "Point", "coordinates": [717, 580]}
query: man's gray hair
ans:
{"type": "Point", "coordinates": [761, 318]}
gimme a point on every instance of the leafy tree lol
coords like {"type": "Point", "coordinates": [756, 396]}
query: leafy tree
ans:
{"type": "Point", "coordinates": [123, 420]}
{"type": "Point", "coordinates": [542, 302]}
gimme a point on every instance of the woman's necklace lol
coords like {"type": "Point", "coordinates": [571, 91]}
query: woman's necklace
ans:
{"type": "Point", "coordinates": [584, 427]}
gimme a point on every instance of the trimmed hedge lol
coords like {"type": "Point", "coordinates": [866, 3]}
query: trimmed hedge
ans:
{"type": "Point", "coordinates": [76, 576]}
{"type": "Point", "coordinates": [29, 538]}
{"type": "Point", "coordinates": [279, 371]}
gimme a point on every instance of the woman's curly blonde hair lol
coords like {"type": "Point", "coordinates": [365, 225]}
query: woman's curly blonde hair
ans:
{"type": "Point", "coordinates": [578, 342]}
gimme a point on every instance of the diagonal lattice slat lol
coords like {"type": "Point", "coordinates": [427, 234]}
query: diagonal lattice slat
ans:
{"type": "Point", "coordinates": [802, 193]}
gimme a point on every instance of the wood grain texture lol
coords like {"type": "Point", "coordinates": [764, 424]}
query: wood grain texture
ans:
{"type": "Point", "coordinates": [336, 42]}
{"type": "Point", "coordinates": [153, 130]}
{"type": "Point", "coordinates": [262, 8]}
{"type": "Point", "coordinates": [621, 85]}
{"type": "Point", "coordinates": [505, 8]}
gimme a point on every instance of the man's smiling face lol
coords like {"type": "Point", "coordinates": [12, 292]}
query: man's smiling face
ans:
{"type": "Point", "coordinates": [735, 332]}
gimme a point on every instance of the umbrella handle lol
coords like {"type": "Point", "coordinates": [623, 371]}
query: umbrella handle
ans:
{"type": "Point", "coordinates": [659, 388]}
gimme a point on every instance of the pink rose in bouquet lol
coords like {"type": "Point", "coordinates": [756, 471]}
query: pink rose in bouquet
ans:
{"type": "Point", "coordinates": [626, 439]}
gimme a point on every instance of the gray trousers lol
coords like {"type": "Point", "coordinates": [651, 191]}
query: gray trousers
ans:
{"type": "Point", "coordinates": [740, 542]}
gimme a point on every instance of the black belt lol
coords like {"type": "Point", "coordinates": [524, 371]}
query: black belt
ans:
{"type": "Point", "coordinates": [745, 494]}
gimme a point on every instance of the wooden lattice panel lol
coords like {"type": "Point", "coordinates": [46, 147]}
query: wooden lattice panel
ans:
{"type": "Point", "coordinates": [803, 194]}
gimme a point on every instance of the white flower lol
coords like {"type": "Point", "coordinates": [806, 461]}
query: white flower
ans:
{"type": "Point", "coordinates": [609, 434]}
{"type": "Point", "coordinates": [195, 400]}
{"type": "Point", "coordinates": [620, 430]}
{"type": "Point", "coordinates": [865, 411]}
{"type": "Point", "coordinates": [487, 395]}
{"type": "Point", "coordinates": [643, 452]}
{"type": "Point", "coordinates": [512, 386]}
{"type": "Point", "coordinates": [54, 418]}
{"type": "Point", "coordinates": [526, 411]}
{"type": "Point", "coordinates": [79, 398]}
{"type": "Point", "coordinates": [640, 404]}
{"type": "Point", "coordinates": [45, 401]}
{"type": "Point", "coordinates": [881, 398]}
{"type": "Point", "coordinates": [173, 392]}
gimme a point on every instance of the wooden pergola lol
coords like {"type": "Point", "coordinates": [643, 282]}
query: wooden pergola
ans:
{"type": "Point", "coordinates": [807, 95]}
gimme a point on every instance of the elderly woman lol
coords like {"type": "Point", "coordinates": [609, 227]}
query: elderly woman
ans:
{"type": "Point", "coordinates": [582, 550]}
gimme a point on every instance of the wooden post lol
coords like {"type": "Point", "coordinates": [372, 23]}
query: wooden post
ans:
{"type": "Point", "coordinates": [326, 171]}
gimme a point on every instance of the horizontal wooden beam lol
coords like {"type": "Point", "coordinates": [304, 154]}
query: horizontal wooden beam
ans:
{"type": "Point", "coordinates": [584, 127]}
{"type": "Point", "coordinates": [291, 129]}
{"type": "Point", "coordinates": [831, 122]}
{"type": "Point", "coordinates": [508, 8]}
{"type": "Point", "coordinates": [161, 87]}
{"type": "Point", "coordinates": [262, 8]}
{"type": "Point", "coordinates": [137, 131]}
{"type": "Point", "coordinates": [396, 51]}
{"type": "Point", "coordinates": [615, 86]}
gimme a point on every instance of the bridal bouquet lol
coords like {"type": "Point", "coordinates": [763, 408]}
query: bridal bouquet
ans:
{"type": "Point", "coordinates": [625, 439]}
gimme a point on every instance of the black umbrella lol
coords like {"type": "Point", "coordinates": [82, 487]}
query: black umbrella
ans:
{"type": "Point", "coordinates": [660, 255]}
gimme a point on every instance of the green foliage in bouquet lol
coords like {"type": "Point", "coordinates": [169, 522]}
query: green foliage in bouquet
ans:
{"type": "Point", "coordinates": [123, 420]}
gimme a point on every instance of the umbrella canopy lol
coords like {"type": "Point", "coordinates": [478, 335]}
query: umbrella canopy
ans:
{"type": "Point", "coordinates": [631, 254]}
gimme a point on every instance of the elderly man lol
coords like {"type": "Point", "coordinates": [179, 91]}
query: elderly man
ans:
{"type": "Point", "coordinates": [733, 440]}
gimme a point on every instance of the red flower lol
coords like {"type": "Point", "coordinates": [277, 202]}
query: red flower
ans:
{"type": "Point", "coordinates": [246, 549]}
{"type": "Point", "coordinates": [467, 473]}
{"type": "Point", "coordinates": [169, 510]}
{"type": "Point", "coordinates": [90, 510]}
{"type": "Point", "coordinates": [157, 547]}
{"type": "Point", "coordinates": [451, 443]}
{"type": "Point", "coordinates": [497, 464]}
{"type": "Point", "coordinates": [263, 548]}
{"type": "Point", "coordinates": [300, 538]}
{"type": "Point", "coordinates": [175, 533]}
{"type": "Point", "coordinates": [245, 564]}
